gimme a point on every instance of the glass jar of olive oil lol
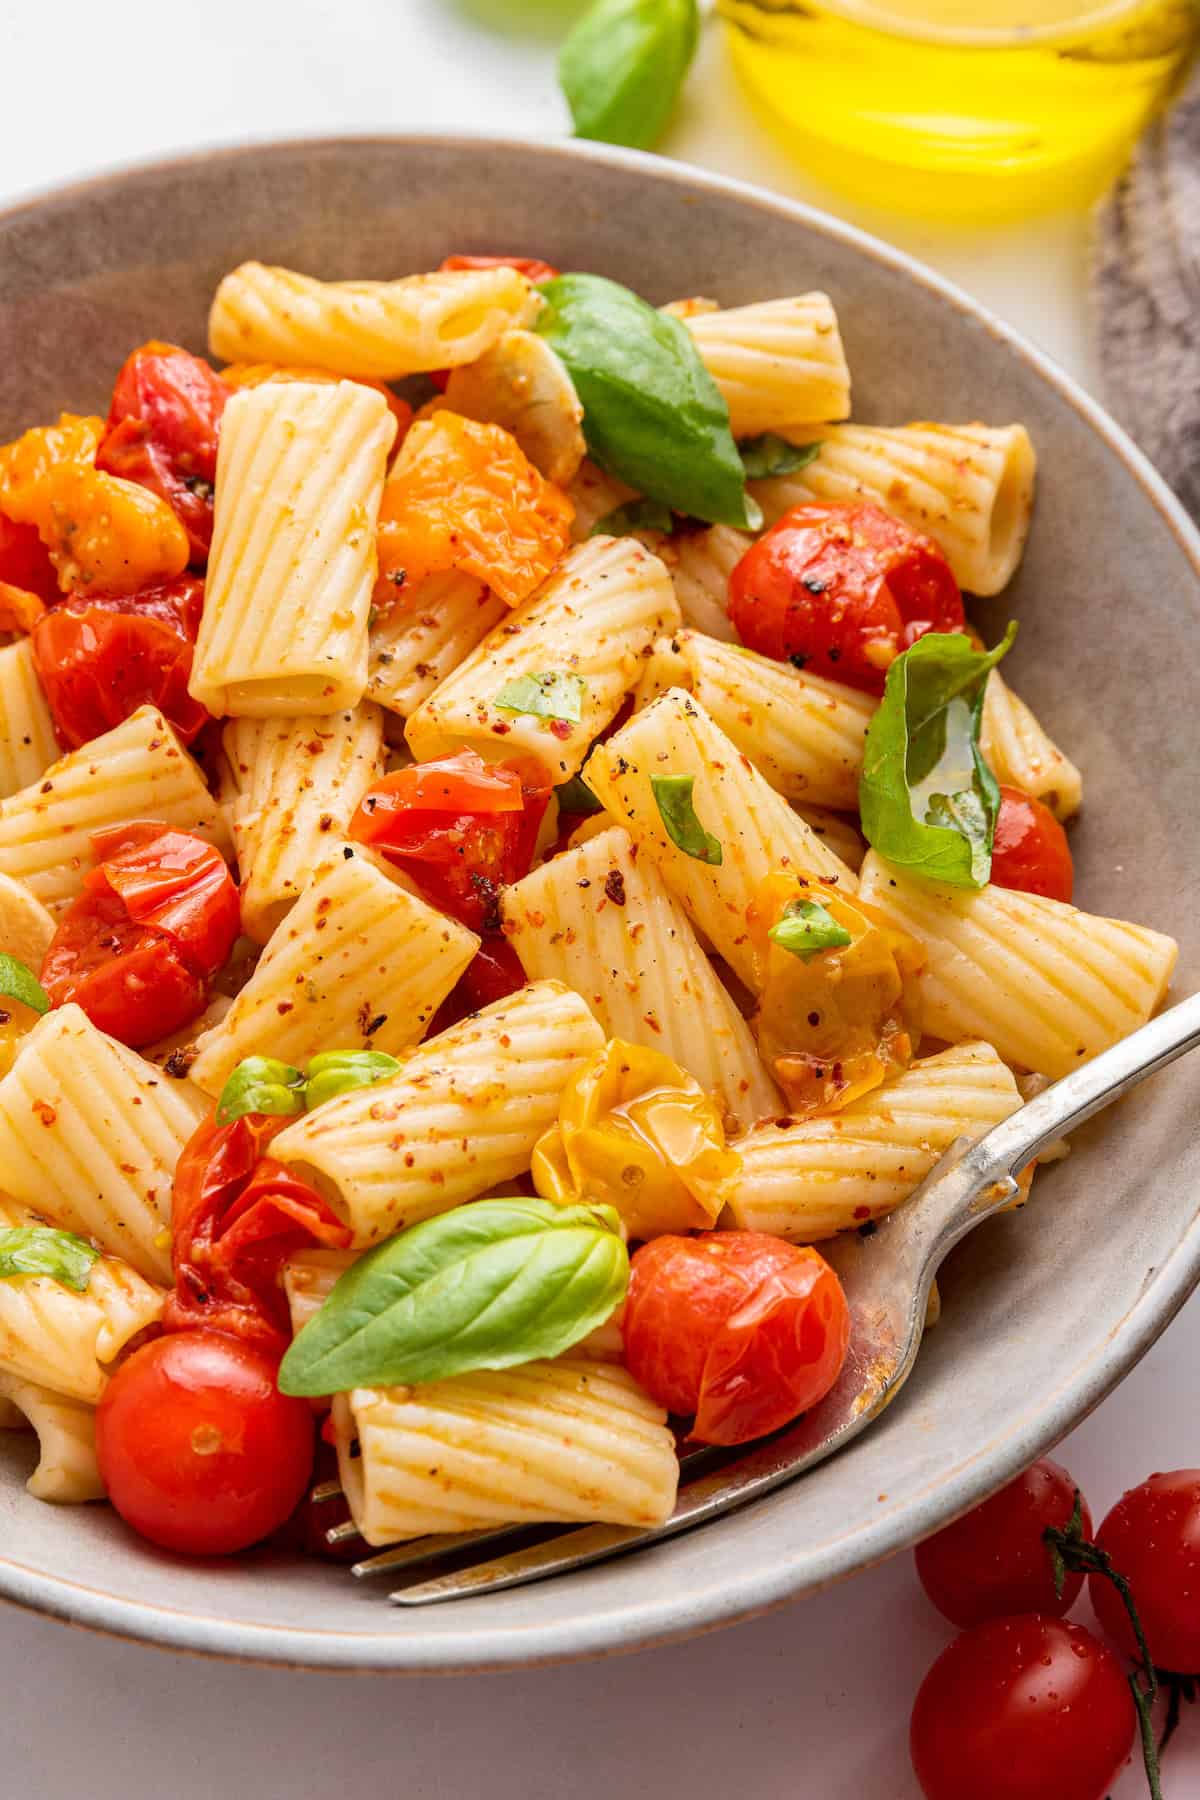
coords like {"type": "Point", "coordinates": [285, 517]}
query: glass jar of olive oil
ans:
{"type": "Point", "coordinates": [975, 108]}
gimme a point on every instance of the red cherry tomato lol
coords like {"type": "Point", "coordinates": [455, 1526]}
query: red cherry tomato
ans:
{"type": "Point", "coordinates": [737, 1327]}
{"type": "Point", "coordinates": [1030, 850]}
{"type": "Point", "coordinates": [198, 1449]}
{"type": "Point", "coordinates": [102, 657]}
{"type": "Point", "coordinates": [162, 432]}
{"type": "Point", "coordinates": [493, 973]}
{"type": "Point", "coordinates": [993, 1561]}
{"type": "Point", "coordinates": [1152, 1535]}
{"type": "Point", "coordinates": [532, 267]}
{"type": "Point", "coordinates": [237, 1215]}
{"type": "Point", "coordinates": [841, 590]}
{"type": "Point", "coordinates": [462, 828]}
{"type": "Point", "coordinates": [25, 561]}
{"type": "Point", "coordinates": [139, 946]}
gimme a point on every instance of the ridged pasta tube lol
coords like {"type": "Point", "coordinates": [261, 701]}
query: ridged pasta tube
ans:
{"type": "Point", "coordinates": [572, 1440]}
{"type": "Point", "coordinates": [139, 770]}
{"type": "Point", "coordinates": [299, 781]}
{"type": "Point", "coordinates": [26, 926]}
{"type": "Point", "coordinates": [66, 1341]}
{"type": "Point", "coordinates": [359, 963]}
{"type": "Point", "coordinates": [67, 1472]}
{"type": "Point", "coordinates": [1048, 985]}
{"type": "Point", "coordinates": [27, 742]}
{"type": "Point", "coordinates": [464, 1113]}
{"type": "Point", "coordinates": [1020, 752]}
{"type": "Point", "coordinates": [299, 477]}
{"type": "Point", "coordinates": [308, 1280]}
{"type": "Point", "coordinates": [837, 832]}
{"type": "Point", "coordinates": [593, 621]}
{"type": "Point", "coordinates": [600, 919]}
{"type": "Point", "coordinates": [425, 636]}
{"type": "Point", "coordinates": [968, 486]}
{"type": "Point", "coordinates": [701, 563]}
{"type": "Point", "coordinates": [379, 330]}
{"type": "Point", "coordinates": [809, 1178]}
{"type": "Point", "coordinates": [756, 828]}
{"type": "Point", "coordinates": [594, 493]}
{"type": "Point", "coordinates": [777, 363]}
{"type": "Point", "coordinates": [803, 733]}
{"type": "Point", "coordinates": [92, 1131]}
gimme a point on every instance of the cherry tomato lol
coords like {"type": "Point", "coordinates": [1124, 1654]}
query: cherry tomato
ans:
{"type": "Point", "coordinates": [162, 432]}
{"type": "Point", "coordinates": [1153, 1537]}
{"type": "Point", "coordinates": [493, 973]}
{"type": "Point", "coordinates": [198, 1449]}
{"type": "Point", "coordinates": [25, 560]}
{"type": "Point", "coordinates": [139, 946]}
{"type": "Point", "coordinates": [993, 1562]}
{"type": "Point", "coordinates": [462, 828]}
{"type": "Point", "coordinates": [99, 658]}
{"type": "Point", "coordinates": [1030, 850]}
{"type": "Point", "coordinates": [20, 608]}
{"type": "Point", "coordinates": [737, 1327]}
{"type": "Point", "coordinates": [532, 267]}
{"type": "Point", "coordinates": [237, 1215]}
{"type": "Point", "coordinates": [841, 590]}
{"type": "Point", "coordinates": [1025, 1708]}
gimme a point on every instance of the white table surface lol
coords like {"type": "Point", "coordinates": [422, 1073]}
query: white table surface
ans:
{"type": "Point", "coordinates": [811, 1703]}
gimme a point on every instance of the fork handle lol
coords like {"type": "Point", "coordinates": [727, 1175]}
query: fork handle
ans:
{"type": "Point", "coordinates": [1010, 1146]}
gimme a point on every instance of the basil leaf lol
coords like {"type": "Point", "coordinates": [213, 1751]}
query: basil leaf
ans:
{"type": "Point", "coordinates": [928, 800]}
{"type": "Point", "coordinates": [635, 515]}
{"type": "Point", "coordinates": [768, 455]}
{"type": "Point", "coordinates": [550, 694]}
{"type": "Point", "coordinates": [622, 66]}
{"type": "Point", "coordinates": [673, 797]}
{"type": "Point", "coordinates": [337, 1072]}
{"type": "Point", "coordinates": [19, 983]}
{"type": "Point", "coordinates": [484, 1286]}
{"type": "Point", "coordinates": [806, 928]}
{"type": "Point", "coordinates": [575, 796]}
{"type": "Point", "coordinates": [652, 413]}
{"type": "Point", "coordinates": [261, 1084]}
{"type": "Point", "coordinates": [39, 1250]}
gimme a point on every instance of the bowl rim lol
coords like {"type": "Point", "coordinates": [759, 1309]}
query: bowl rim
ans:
{"type": "Point", "coordinates": [664, 1617]}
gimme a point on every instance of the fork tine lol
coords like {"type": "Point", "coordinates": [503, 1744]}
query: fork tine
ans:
{"type": "Point", "coordinates": [325, 1490]}
{"type": "Point", "coordinates": [572, 1551]}
{"type": "Point", "coordinates": [428, 1549]}
{"type": "Point", "coordinates": [342, 1534]}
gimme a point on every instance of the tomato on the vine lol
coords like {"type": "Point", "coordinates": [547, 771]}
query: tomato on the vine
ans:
{"type": "Point", "coordinates": [993, 1560]}
{"type": "Point", "coordinates": [198, 1449]}
{"type": "Point", "coordinates": [1152, 1535]}
{"type": "Point", "coordinates": [162, 432]}
{"type": "Point", "coordinates": [99, 657]}
{"type": "Point", "coordinates": [1030, 850]}
{"type": "Point", "coordinates": [1023, 1708]}
{"type": "Point", "coordinates": [840, 590]}
{"type": "Point", "coordinates": [736, 1327]}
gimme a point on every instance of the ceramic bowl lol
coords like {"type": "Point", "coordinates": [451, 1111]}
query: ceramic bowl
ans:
{"type": "Point", "coordinates": [1044, 1310]}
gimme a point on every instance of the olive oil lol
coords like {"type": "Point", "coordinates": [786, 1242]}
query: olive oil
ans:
{"type": "Point", "coordinates": [975, 108]}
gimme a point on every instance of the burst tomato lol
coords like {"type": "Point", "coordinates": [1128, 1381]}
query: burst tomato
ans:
{"type": "Point", "coordinates": [532, 267]}
{"type": "Point", "coordinates": [1025, 1708]}
{"type": "Point", "coordinates": [1030, 850]}
{"type": "Point", "coordinates": [162, 433]}
{"type": "Point", "coordinates": [156, 920]}
{"type": "Point", "coordinates": [101, 657]}
{"type": "Point", "coordinates": [462, 828]}
{"type": "Point", "coordinates": [198, 1449]}
{"type": "Point", "coordinates": [993, 1561]}
{"type": "Point", "coordinates": [25, 561]}
{"type": "Point", "coordinates": [841, 590]}
{"type": "Point", "coordinates": [1152, 1535]}
{"type": "Point", "coordinates": [737, 1327]}
{"type": "Point", "coordinates": [237, 1215]}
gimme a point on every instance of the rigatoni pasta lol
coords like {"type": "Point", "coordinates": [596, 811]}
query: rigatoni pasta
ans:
{"type": "Point", "coordinates": [778, 363]}
{"type": "Point", "coordinates": [1022, 754]}
{"type": "Point", "coordinates": [67, 1473]}
{"type": "Point", "coordinates": [423, 638]}
{"type": "Point", "coordinates": [27, 742]}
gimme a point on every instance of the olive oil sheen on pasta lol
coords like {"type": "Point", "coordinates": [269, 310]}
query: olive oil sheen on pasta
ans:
{"type": "Point", "coordinates": [975, 108]}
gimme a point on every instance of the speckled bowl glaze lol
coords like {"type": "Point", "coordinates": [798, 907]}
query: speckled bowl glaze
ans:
{"type": "Point", "coordinates": [1045, 1310]}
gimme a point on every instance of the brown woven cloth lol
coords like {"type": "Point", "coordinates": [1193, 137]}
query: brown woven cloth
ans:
{"type": "Point", "coordinates": [1146, 295]}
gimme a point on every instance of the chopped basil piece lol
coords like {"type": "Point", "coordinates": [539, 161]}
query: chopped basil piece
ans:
{"type": "Point", "coordinates": [39, 1250]}
{"type": "Point", "coordinates": [575, 796]}
{"type": "Point", "coordinates": [261, 1084]}
{"type": "Point", "coordinates": [673, 797]}
{"type": "Point", "coordinates": [806, 928]}
{"type": "Point", "coordinates": [337, 1072]}
{"type": "Point", "coordinates": [19, 983]}
{"type": "Point", "coordinates": [635, 515]}
{"type": "Point", "coordinates": [550, 694]}
{"type": "Point", "coordinates": [769, 455]}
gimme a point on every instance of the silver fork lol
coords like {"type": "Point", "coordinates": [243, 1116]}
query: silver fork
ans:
{"type": "Point", "coordinates": [887, 1274]}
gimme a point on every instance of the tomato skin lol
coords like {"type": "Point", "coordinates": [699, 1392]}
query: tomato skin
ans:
{"type": "Point", "coordinates": [737, 1327]}
{"type": "Point", "coordinates": [841, 590]}
{"type": "Point", "coordinates": [198, 1449]}
{"type": "Point", "coordinates": [237, 1215]}
{"type": "Point", "coordinates": [1023, 1708]}
{"type": "Point", "coordinates": [162, 432]}
{"type": "Point", "coordinates": [1030, 851]}
{"type": "Point", "coordinates": [993, 1562]}
{"type": "Point", "coordinates": [532, 267]}
{"type": "Point", "coordinates": [1152, 1535]}
{"type": "Point", "coordinates": [25, 560]}
{"type": "Point", "coordinates": [180, 885]}
{"type": "Point", "coordinates": [101, 657]}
